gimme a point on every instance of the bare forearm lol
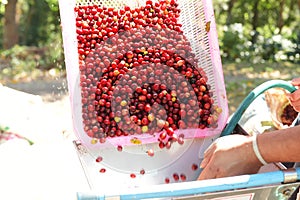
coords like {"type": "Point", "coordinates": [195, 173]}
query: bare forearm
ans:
{"type": "Point", "coordinates": [280, 146]}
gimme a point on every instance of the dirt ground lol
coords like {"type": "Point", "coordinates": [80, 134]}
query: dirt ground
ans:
{"type": "Point", "coordinates": [40, 108]}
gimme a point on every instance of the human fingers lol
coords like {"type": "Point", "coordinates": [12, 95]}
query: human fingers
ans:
{"type": "Point", "coordinates": [208, 172]}
{"type": "Point", "coordinates": [296, 81]}
{"type": "Point", "coordinates": [221, 143]}
{"type": "Point", "coordinates": [216, 167]}
{"type": "Point", "coordinates": [209, 162]}
{"type": "Point", "coordinates": [207, 154]}
{"type": "Point", "coordinates": [295, 96]}
{"type": "Point", "coordinates": [211, 147]}
{"type": "Point", "coordinates": [296, 106]}
{"type": "Point", "coordinates": [204, 162]}
{"type": "Point", "coordinates": [294, 99]}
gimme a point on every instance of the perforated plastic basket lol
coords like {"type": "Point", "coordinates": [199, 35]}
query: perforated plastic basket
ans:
{"type": "Point", "coordinates": [146, 87]}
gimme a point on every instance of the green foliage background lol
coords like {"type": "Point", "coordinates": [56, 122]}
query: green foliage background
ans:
{"type": "Point", "coordinates": [241, 41]}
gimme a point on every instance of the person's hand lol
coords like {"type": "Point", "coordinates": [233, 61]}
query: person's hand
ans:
{"type": "Point", "coordinates": [294, 97]}
{"type": "Point", "coordinates": [229, 156]}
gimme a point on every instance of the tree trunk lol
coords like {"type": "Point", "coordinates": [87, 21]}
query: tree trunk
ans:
{"type": "Point", "coordinates": [10, 29]}
{"type": "Point", "coordinates": [293, 5]}
{"type": "Point", "coordinates": [280, 21]}
{"type": "Point", "coordinates": [229, 12]}
{"type": "Point", "coordinates": [255, 21]}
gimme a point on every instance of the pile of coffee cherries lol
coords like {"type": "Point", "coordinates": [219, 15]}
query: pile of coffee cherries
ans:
{"type": "Point", "coordinates": [138, 73]}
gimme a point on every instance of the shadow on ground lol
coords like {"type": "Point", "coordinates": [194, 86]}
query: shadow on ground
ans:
{"type": "Point", "coordinates": [49, 90]}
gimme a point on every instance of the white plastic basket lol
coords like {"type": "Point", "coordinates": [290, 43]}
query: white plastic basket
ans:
{"type": "Point", "coordinates": [186, 30]}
